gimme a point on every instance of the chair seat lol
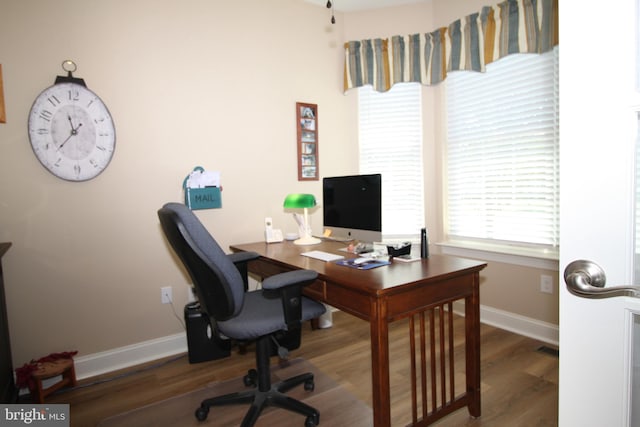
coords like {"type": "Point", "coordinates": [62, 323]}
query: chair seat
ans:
{"type": "Point", "coordinates": [262, 315]}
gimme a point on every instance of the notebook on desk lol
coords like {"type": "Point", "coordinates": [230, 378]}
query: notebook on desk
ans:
{"type": "Point", "coordinates": [322, 256]}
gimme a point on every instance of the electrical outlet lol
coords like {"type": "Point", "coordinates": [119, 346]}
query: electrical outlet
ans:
{"type": "Point", "coordinates": [166, 295]}
{"type": "Point", "coordinates": [546, 284]}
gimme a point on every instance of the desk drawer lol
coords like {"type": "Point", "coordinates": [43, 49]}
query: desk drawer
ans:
{"type": "Point", "coordinates": [265, 269]}
{"type": "Point", "coordinates": [316, 290]}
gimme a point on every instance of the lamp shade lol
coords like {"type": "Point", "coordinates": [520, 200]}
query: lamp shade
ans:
{"type": "Point", "coordinates": [299, 200]}
{"type": "Point", "coordinates": [302, 201]}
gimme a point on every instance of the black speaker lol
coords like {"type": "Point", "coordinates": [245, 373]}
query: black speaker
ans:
{"type": "Point", "coordinates": [203, 342]}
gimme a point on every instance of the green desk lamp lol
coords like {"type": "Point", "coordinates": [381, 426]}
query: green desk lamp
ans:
{"type": "Point", "coordinates": [302, 201]}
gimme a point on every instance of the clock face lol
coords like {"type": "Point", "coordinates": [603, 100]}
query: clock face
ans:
{"type": "Point", "coordinates": [71, 132]}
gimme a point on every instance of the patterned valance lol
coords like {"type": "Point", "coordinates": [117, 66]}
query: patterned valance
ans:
{"type": "Point", "coordinates": [470, 43]}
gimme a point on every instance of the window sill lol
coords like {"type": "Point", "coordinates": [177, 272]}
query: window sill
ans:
{"type": "Point", "coordinates": [545, 259]}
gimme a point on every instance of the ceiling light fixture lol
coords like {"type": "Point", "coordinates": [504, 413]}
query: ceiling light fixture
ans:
{"type": "Point", "coordinates": [330, 6]}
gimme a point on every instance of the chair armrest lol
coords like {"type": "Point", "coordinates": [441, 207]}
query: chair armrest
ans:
{"type": "Point", "coordinates": [237, 257]}
{"type": "Point", "coordinates": [289, 286]}
{"type": "Point", "coordinates": [289, 278]}
{"type": "Point", "coordinates": [240, 260]}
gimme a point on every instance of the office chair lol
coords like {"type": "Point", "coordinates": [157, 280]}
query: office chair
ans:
{"type": "Point", "coordinates": [265, 316]}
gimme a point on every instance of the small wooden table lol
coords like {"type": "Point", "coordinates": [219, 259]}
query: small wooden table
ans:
{"type": "Point", "coordinates": [421, 291]}
{"type": "Point", "coordinates": [63, 367]}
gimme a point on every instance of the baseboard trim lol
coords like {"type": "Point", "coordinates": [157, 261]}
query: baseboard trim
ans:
{"type": "Point", "coordinates": [124, 357]}
{"type": "Point", "coordinates": [532, 328]}
{"type": "Point", "coordinates": [512, 322]}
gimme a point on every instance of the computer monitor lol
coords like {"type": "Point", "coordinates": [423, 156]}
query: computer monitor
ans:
{"type": "Point", "coordinates": [352, 207]}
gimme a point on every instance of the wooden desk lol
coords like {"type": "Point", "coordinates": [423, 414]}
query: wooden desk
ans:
{"type": "Point", "coordinates": [422, 291]}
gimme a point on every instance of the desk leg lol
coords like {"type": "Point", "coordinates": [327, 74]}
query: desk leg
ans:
{"type": "Point", "coordinates": [472, 325]}
{"type": "Point", "coordinates": [380, 365]}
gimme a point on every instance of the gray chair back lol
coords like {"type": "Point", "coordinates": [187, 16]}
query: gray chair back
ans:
{"type": "Point", "coordinates": [217, 282]}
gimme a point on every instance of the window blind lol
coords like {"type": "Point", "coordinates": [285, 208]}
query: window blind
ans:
{"type": "Point", "coordinates": [502, 151]}
{"type": "Point", "coordinates": [390, 138]}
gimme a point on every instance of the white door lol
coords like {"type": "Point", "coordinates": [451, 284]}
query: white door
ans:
{"type": "Point", "coordinates": [599, 105]}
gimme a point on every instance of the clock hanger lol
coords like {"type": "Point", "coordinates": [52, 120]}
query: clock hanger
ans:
{"type": "Point", "coordinates": [70, 67]}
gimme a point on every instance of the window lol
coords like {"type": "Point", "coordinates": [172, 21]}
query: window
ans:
{"type": "Point", "coordinates": [502, 152]}
{"type": "Point", "coordinates": [390, 135]}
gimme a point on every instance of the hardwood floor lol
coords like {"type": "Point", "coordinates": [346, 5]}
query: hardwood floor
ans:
{"type": "Point", "coordinates": [519, 382]}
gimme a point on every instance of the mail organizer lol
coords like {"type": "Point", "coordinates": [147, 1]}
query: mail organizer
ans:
{"type": "Point", "coordinates": [203, 198]}
{"type": "Point", "coordinates": [207, 197]}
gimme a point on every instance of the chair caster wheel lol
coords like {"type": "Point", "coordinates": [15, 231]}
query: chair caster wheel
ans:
{"type": "Point", "coordinates": [202, 413]}
{"type": "Point", "coordinates": [309, 385]}
{"type": "Point", "coordinates": [250, 380]}
{"type": "Point", "coordinates": [312, 421]}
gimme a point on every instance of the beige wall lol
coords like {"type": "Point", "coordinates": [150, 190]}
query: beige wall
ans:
{"type": "Point", "coordinates": [187, 83]}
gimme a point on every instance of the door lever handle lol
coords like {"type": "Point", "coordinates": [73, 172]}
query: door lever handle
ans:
{"type": "Point", "coordinates": [587, 279]}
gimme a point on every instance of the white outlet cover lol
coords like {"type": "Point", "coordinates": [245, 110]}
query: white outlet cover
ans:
{"type": "Point", "coordinates": [166, 295]}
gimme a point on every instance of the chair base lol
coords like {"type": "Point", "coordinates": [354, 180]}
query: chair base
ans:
{"type": "Point", "coordinates": [259, 400]}
{"type": "Point", "coordinates": [265, 394]}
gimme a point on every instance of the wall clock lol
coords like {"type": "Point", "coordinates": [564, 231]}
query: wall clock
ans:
{"type": "Point", "coordinates": [71, 130]}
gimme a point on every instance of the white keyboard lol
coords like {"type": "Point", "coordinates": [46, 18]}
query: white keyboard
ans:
{"type": "Point", "coordinates": [322, 256]}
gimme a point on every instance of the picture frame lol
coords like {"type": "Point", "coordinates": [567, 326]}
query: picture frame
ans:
{"type": "Point", "coordinates": [307, 141]}
{"type": "Point", "coordinates": [3, 112]}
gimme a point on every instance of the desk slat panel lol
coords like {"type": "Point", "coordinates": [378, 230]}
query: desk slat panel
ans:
{"type": "Point", "coordinates": [435, 390]}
